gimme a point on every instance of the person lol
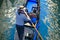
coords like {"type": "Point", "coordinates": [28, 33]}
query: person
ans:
{"type": "Point", "coordinates": [33, 17]}
{"type": "Point", "coordinates": [35, 11]}
{"type": "Point", "coordinates": [34, 8]}
{"type": "Point", "coordinates": [20, 18]}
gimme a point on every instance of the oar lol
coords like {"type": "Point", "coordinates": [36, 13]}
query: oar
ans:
{"type": "Point", "coordinates": [37, 31]}
{"type": "Point", "coordinates": [34, 26]}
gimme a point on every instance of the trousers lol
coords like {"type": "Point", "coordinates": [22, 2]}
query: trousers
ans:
{"type": "Point", "coordinates": [20, 31]}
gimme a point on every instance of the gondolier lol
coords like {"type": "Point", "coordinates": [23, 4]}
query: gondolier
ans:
{"type": "Point", "coordinates": [20, 18]}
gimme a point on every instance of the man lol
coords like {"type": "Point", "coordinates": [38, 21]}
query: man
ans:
{"type": "Point", "coordinates": [33, 17]}
{"type": "Point", "coordinates": [20, 18]}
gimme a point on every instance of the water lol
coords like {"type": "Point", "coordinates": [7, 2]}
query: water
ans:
{"type": "Point", "coordinates": [50, 18]}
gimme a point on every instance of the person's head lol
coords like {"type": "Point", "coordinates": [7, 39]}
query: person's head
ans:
{"type": "Point", "coordinates": [32, 14]}
{"type": "Point", "coordinates": [20, 10]}
{"type": "Point", "coordinates": [34, 8]}
{"type": "Point", "coordinates": [21, 7]}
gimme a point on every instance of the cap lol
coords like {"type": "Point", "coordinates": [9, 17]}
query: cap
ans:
{"type": "Point", "coordinates": [21, 7]}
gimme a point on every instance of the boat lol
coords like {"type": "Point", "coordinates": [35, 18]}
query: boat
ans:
{"type": "Point", "coordinates": [30, 32]}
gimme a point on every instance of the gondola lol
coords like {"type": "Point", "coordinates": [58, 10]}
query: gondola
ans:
{"type": "Point", "coordinates": [30, 32]}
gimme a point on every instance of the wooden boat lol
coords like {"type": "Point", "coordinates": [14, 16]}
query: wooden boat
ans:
{"type": "Point", "coordinates": [30, 32]}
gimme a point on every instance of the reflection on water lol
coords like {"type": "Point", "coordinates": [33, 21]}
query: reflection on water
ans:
{"type": "Point", "coordinates": [7, 18]}
{"type": "Point", "coordinates": [50, 15]}
{"type": "Point", "coordinates": [52, 19]}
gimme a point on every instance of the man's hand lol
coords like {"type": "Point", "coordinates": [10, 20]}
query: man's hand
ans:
{"type": "Point", "coordinates": [33, 25]}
